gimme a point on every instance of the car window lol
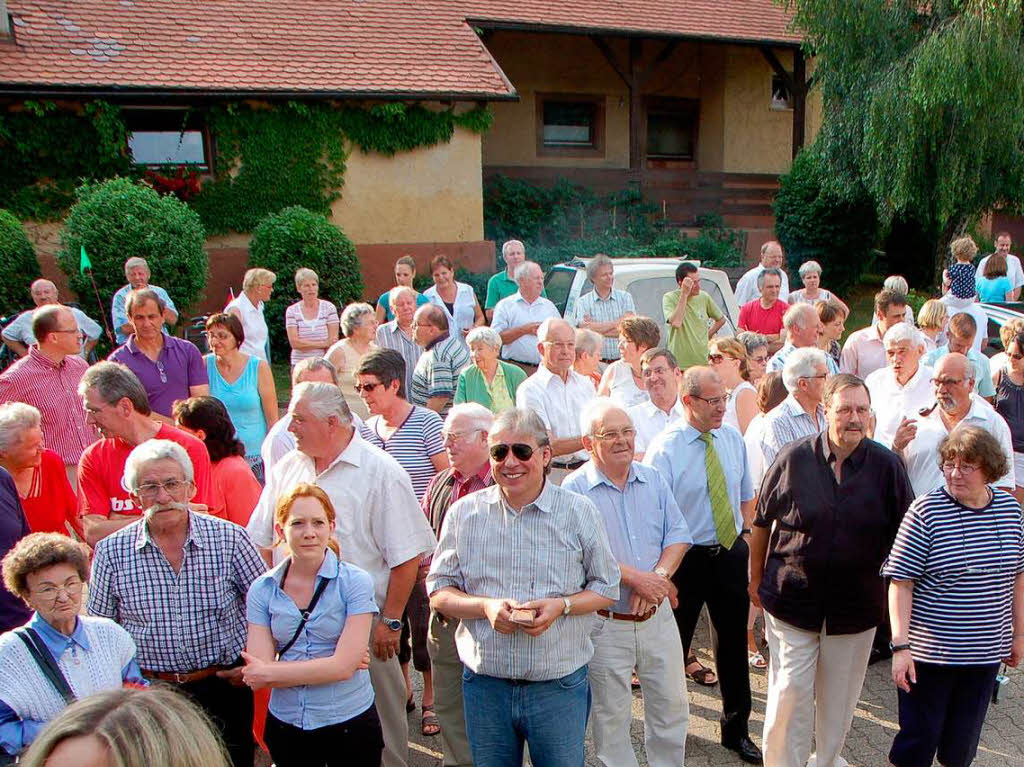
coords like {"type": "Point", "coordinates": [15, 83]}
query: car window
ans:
{"type": "Point", "coordinates": [557, 286]}
{"type": "Point", "coordinates": [648, 293]}
{"type": "Point", "coordinates": [712, 289]}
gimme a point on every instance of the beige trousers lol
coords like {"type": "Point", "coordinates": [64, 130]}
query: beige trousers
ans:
{"type": "Point", "coordinates": [444, 659]}
{"type": "Point", "coordinates": [389, 689]}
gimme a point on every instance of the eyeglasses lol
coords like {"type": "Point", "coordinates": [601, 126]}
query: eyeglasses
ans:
{"type": "Point", "coordinates": [947, 381]}
{"type": "Point", "coordinates": [714, 401]}
{"type": "Point", "coordinates": [152, 489]}
{"type": "Point", "coordinates": [1015, 357]}
{"type": "Point", "coordinates": [76, 331]}
{"type": "Point", "coordinates": [659, 370]}
{"type": "Point", "coordinates": [714, 359]}
{"type": "Point", "coordinates": [48, 594]}
{"type": "Point", "coordinates": [369, 387]}
{"type": "Point", "coordinates": [820, 376]}
{"type": "Point", "coordinates": [457, 436]}
{"type": "Point", "coordinates": [759, 359]}
{"type": "Point", "coordinates": [521, 451]}
{"type": "Point", "coordinates": [965, 469]}
{"type": "Point", "coordinates": [612, 436]}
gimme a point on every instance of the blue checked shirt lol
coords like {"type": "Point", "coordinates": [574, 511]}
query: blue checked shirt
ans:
{"type": "Point", "coordinates": [641, 521]}
{"type": "Point", "coordinates": [184, 621]}
{"type": "Point", "coordinates": [554, 547]}
{"type": "Point", "coordinates": [785, 423]}
{"type": "Point", "coordinates": [611, 309]}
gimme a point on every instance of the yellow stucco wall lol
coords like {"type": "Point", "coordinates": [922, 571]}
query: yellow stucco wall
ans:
{"type": "Point", "coordinates": [758, 139]}
{"type": "Point", "coordinates": [427, 195]}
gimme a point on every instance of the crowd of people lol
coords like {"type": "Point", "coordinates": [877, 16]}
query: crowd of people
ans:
{"type": "Point", "coordinates": [531, 511]}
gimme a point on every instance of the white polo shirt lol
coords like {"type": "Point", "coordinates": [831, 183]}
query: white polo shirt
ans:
{"type": "Point", "coordinates": [922, 454]}
{"type": "Point", "coordinates": [558, 403]}
{"type": "Point", "coordinates": [747, 290]}
{"type": "Point", "coordinates": [379, 522]}
{"type": "Point", "coordinates": [513, 311]}
{"type": "Point", "coordinates": [892, 402]}
{"type": "Point", "coordinates": [649, 420]}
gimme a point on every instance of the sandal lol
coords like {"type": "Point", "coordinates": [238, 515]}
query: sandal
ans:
{"type": "Point", "coordinates": [429, 725]}
{"type": "Point", "coordinates": [703, 676]}
{"type": "Point", "coordinates": [634, 683]}
{"type": "Point", "coordinates": [410, 705]}
{"type": "Point", "coordinates": [756, 659]}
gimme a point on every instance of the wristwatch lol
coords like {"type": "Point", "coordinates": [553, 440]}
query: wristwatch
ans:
{"type": "Point", "coordinates": [746, 531]}
{"type": "Point", "coordinates": [568, 606]}
{"type": "Point", "coordinates": [661, 571]}
{"type": "Point", "coordinates": [899, 647]}
{"type": "Point", "coordinates": [395, 624]}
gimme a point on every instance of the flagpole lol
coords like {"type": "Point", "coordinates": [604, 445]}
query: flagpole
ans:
{"type": "Point", "coordinates": [84, 264]}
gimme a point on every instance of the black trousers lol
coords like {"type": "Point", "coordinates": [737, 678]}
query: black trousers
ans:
{"type": "Point", "coordinates": [717, 577]}
{"type": "Point", "coordinates": [357, 742]}
{"type": "Point", "coordinates": [230, 708]}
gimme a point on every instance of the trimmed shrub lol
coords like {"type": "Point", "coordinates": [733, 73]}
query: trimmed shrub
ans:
{"type": "Point", "coordinates": [118, 219]}
{"type": "Point", "coordinates": [293, 238]}
{"type": "Point", "coordinates": [18, 264]}
{"type": "Point", "coordinates": [814, 222]}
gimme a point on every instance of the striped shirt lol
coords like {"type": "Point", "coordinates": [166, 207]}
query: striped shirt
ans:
{"type": "Point", "coordinates": [785, 423]}
{"type": "Point", "coordinates": [437, 371]}
{"type": "Point", "coordinates": [778, 360]}
{"type": "Point", "coordinates": [553, 547]}
{"type": "Point", "coordinates": [963, 563]}
{"type": "Point", "coordinates": [618, 304]}
{"type": "Point", "coordinates": [52, 388]}
{"type": "Point", "coordinates": [412, 444]}
{"type": "Point", "coordinates": [184, 621]}
{"type": "Point", "coordinates": [314, 330]}
{"type": "Point", "coordinates": [390, 336]}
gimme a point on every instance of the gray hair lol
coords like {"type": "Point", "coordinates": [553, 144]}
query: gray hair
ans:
{"type": "Point", "coordinates": [396, 291]}
{"type": "Point", "coordinates": [597, 262]}
{"type": "Point", "coordinates": [134, 261]}
{"type": "Point", "coordinates": [595, 410]}
{"type": "Point", "coordinates": [765, 273]}
{"type": "Point", "coordinates": [114, 382]}
{"type": "Point", "coordinates": [303, 275]}
{"type": "Point", "coordinates": [523, 421]}
{"type": "Point", "coordinates": [546, 325]}
{"type": "Point", "coordinates": [900, 332]}
{"type": "Point", "coordinates": [255, 277]}
{"type": "Point", "coordinates": [352, 316]}
{"type": "Point", "coordinates": [897, 284]}
{"type": "Point", "coordinates": [588, 341]}
{"type": "Point", "coordinates": [484, 335]}
{"type": "Point", "coordinates": [799, 314]}
{"type": "Point", "coordinates": [155, 450]}
{"type": "Point", "coordinates": [751, 340]}
{"type": "Point", "coordinates": [324, 399]}
{"type": "Point", "coordinates": [810, 267]}
{"type": "Point", "coordinates": [311, 364]}
{"type": "Point", "coordinates": [509, 244]}
{"type": "Point", "coordinates": [694, 378]}
{"type": "Point", "coordinates": [523, 268]}
{"type": "Point", "coordinates": [16, 417]}
{"type": "Point", "coordinates": [478, 417]}
{"type": "Point", "coordinates": [802, 363]}
{"type": "Point", "coordinates": [143, 296]}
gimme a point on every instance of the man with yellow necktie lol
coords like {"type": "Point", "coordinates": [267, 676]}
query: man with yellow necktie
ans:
{"type": "Point", "coordinates": [705, 463]}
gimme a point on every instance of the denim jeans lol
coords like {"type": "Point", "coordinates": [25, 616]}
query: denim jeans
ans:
{"type": "Point", "coordinates": [502, 714]}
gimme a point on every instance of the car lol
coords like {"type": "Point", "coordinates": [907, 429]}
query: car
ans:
{"type": "Point", "coordinates": [647, 280]}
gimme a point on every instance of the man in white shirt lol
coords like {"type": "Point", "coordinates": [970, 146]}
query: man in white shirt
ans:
{"type": "Point", "coordinates": [771, 257]}
{"type": "Point", "coordinates": [662, 375]}
{"type": "Point", "coordinates": [517, 317]}
{"type": "Point", "coordinates": [380, 528]}
{"type": "Point", "coordinates": [1013, 267]}
{"type": "Point", "coordinates": [557, 393]}
{"type": "Point", "coordinates": [903, 387]}
{"type": "Point", "coordinates": [917, 439]}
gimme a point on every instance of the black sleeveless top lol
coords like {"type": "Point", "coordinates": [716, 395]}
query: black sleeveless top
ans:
{"type": "Point", "coordinates": [1010, 405]}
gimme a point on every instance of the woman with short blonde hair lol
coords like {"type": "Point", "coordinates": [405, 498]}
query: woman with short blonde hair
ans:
{"type": "Point", "coordinates": [257, 285]}
{"type": "Point", "coordinates": [311, 323]}
{"type": "Point", "coordinates": [931, 321]}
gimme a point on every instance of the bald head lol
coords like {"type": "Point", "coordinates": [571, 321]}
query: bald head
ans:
{"type": "Point", "coordinates": [43, 292]}
{"type": "Point", "coordinates": [429, 323]}
{"type": "Point", "coordinates": [954, 365]}
{"type": "Point", "coordinates": [954, 382]}
{"type": "Point", "coordinates": [704, 397]}
{"type": "Point", "coordinates": [771, 254]}
{"type": "Point", "coordinates": [802, 325]}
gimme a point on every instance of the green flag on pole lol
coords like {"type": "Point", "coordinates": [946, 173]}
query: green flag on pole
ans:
{"type": "Point", "coordinates": [83, 261]}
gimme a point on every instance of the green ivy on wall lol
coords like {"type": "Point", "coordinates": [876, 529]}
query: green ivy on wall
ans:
{"type": "Point", "coordinates": [267, 157]}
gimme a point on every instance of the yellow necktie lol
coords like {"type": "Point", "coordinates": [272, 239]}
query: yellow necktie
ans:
{"type": "Point", "coordinates": [721, 508]}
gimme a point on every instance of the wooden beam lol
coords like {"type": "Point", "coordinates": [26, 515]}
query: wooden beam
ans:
{"type": "Point", "coordinates": [636, 105]}
{"type": "Point", "coordinates": [663, 55]}
{"type": "Point", "coordinates": [799, 93]}
{"type": "Point", "coordinates": [776, 65]}
{"type": "Point", "coordinates": [610, 57]}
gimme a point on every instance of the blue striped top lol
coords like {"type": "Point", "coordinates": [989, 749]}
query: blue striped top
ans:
{"type": "Point", "coordinates": [412, 444]}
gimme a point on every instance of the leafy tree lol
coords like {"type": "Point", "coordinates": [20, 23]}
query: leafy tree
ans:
{"type": "Point", "coordinates": [924, 105]}
{"type": "Point", "coordinates": [18, 262]}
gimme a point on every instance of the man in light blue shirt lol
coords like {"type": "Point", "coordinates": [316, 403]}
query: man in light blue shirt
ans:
{"type": "Point", "coordinates": [18, 334]}
{"type": "Point", "coordinates": [705, 463]}
{"type": "Point", "coordinates": [960, 339]}
{"type": "Point", "coordinates": [648, 536]}
{"type": "Point", "coordinates": [136, 271]}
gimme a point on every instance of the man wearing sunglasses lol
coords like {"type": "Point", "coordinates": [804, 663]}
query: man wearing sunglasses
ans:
{"type": "Point", "coordinates": [705, 464]}
{"type": "Point", "coordinates": [648, 537]}
{"type": "Point", "coordinates": [522, 565]}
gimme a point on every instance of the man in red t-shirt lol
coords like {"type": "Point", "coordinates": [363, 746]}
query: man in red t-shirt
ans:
{"type": "Point", "coordinates": [764, 315]}
{"type": "Point", "coordinates": [116, 404]}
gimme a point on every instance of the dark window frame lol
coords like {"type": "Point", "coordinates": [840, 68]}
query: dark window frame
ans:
{"type": "Point", "coordinates": [778, 83]}
{"type": "Point", "coordinates": [673, 106]}
{"type": "Point", "coordinates": [166, 119]}
{"type": "Point", "coordinates": [596, 148]}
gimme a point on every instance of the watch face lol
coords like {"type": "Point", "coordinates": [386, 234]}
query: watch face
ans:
{"type": "Point", "coordinates": [393, 623]}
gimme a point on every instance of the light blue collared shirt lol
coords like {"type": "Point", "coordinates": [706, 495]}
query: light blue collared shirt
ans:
{"type": "Point", "coordinates": [678, 455]}
{"type": "Point", "coordinates": [350, 592]}
{"type": "Point", "coordinates": [982, 369]}
{"type": "Point", "coordinates": [641, 521]}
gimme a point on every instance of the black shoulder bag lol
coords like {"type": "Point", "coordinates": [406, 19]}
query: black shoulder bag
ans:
{"type": "Point", "coordinates": [46, 663]}
{"type": "Point", "coordinates": [305, 613]}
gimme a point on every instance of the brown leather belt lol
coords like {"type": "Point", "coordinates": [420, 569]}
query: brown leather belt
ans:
{"type": "Point", "coordinates": [185, 678]}
{"type": "Point", "coordinates": [628, 616]}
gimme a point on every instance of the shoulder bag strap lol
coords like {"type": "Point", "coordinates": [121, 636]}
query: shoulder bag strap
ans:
{"type": "Point", "coordinates": [305, 616]}
{"type": "Point", "coordinates": [46, 663]}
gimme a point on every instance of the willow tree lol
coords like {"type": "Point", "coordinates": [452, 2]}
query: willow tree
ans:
{"type": "Point", "coordinates": [924, 105]}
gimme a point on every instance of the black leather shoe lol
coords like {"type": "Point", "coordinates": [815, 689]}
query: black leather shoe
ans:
{"type": "Point", "coordinates": [745, 749]}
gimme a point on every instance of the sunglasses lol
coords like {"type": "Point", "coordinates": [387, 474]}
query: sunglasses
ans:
{"type": "Point", "coordinates": [360, 387]}
{"type": "Point", "coordinates": [522, 452]}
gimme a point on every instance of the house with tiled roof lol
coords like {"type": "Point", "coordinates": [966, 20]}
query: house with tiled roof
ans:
{"type": "Point", "coordinates": [701, 102]}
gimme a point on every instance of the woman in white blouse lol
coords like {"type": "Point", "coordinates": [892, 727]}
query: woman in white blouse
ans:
{"type": "Point", "coordinates": [456, 299]}
{"type": "Point", "coordinates": [312, 323]}
{"type": "Point", "coordinates": [257, 285]}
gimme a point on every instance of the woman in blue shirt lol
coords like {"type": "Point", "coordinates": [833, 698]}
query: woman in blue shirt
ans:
{"type": "Point", "coordinates": [321, 702]}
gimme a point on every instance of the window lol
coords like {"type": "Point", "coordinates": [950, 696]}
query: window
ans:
{"type": "Point", "coordinates": [570, 125]}
{"type": "Point", "coordinates": [782, 99]}
{"type": "Point", "coordinates": [672, 129]}
{"type": "Point", "coordinates": [167, 137]}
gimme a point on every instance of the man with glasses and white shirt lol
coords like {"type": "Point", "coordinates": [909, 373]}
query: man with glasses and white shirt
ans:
{"type": "Point", "coordinates": [663, 377]}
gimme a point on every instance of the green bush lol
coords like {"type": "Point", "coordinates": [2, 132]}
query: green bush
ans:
{"type": "Point", "coordinates": [118, 219]}
{"type": "Point", "coordinates": [17, 262]}
{"type": "Point", "coordinates": [294, 238]}
{"type": "Point", "coordinates": [813, 222]}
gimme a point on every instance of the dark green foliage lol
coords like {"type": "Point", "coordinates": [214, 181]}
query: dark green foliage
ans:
{"type": "Point", "coordinates": [18, 264]}
{"type": "Point", "coordinates": [397, 127]}
{"type": "Point", "coordinates": [814, 222]}
{"type": "Point", "coordinates": [293, 238]}
{"type": "Point", "coordinates": [118, 219]}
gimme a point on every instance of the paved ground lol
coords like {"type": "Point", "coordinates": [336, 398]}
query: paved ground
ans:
{"type": "Point", "coordinates": [1002, 741]}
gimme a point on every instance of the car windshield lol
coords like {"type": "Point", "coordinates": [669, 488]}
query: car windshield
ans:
{"type": "Point", "coordinates": [558, 284]}
{"type": "Point", "coordinates": [648, 293]}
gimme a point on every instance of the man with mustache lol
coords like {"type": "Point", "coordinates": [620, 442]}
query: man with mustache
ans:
{"type": "Point", "coordinates": [827, 514]}
{"type": "Point", "coordinates": [176, 580]}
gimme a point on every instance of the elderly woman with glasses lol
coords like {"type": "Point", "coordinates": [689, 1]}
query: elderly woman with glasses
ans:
{"type": "Point", "coordinates": [47, 498]}
{"type": "Point", "coordinates": [359, 326]}
{"type": "Point", "coordinates": [49, 571]}
{"type": "Point", "coordinates": [488, 381]}
{"type": "Point", "coordinates": [956, 602]}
